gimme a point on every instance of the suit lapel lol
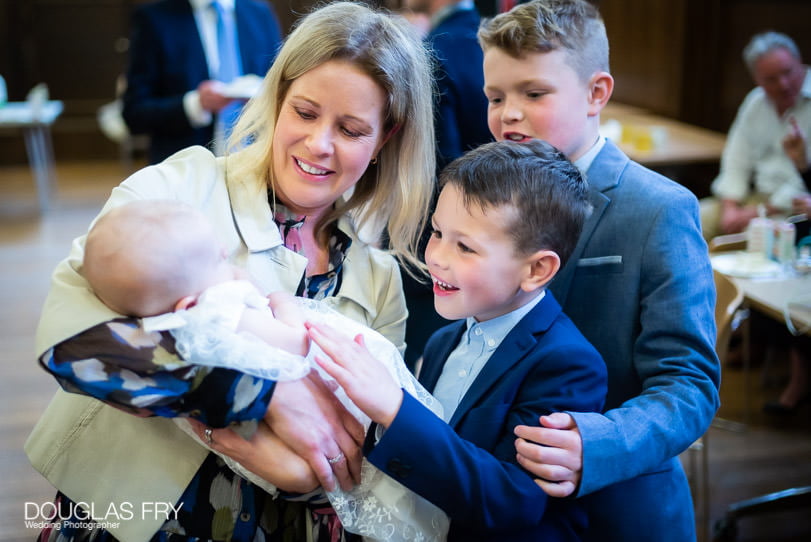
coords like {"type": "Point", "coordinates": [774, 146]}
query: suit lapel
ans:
{"type": "Point", "coordinates": [520, 340]}
{"type": "Point", "coordinates": [184, 29]}
{"type": "Point", "coordinates": [602, 176]}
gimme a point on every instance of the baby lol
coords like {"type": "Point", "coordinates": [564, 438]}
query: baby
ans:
{"type": "Point", "coordinates": [159, 260]}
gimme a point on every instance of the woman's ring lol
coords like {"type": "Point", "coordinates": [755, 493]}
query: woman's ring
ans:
{"type": "Point", "coordinates": [207, 434]}
{"type": "Point", "coordinates": [337, 458]}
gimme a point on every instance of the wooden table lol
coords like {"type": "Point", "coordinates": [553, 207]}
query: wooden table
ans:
{"type": "Point", "coordinates": [35, 123]}
{"type": "Point", "coordinates": [773, 296]}
{"type": "Point", "coordinates": [656, 141]}
{"type": "Point", "coordinates": [776, 296]}
{"type": "Point", "coordinates": [769, 288]}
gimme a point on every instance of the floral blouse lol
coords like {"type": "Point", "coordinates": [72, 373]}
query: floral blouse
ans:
{"type": "Point", "coordinates": [141, 372]}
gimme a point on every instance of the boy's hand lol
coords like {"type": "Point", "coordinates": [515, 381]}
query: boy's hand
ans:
{"type": "Point", "coordinates": [553, 452]}
{"type": "Point", "coordinates": [364, 379]}
{"type": "Point", "coordinates": [309, 419]}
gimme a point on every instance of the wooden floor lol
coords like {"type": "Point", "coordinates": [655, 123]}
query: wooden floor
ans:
{"type": "Point", "coordinates": [765, 457]}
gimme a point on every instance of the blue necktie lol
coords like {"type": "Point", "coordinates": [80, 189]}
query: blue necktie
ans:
{"type": "Point", "coordinates": [229, 69]}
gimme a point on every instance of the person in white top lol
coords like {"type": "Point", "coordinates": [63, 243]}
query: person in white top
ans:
{"type": "Point", "coordinates": [755, 169]}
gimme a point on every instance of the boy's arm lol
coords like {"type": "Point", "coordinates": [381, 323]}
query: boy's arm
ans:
{"type": "Point", "coordinates": [477, 483]}
{"type": "Point", "coordinates": [673, 355]}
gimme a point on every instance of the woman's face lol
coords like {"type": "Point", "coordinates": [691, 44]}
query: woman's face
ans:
{"type": "Point", "coordinates": [330, 127]}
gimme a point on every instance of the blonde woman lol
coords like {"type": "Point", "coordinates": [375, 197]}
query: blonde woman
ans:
{"type": "Point", "coordinates": [339, 140]}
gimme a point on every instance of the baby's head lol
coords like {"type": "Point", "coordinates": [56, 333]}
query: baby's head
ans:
{"type": "Point", "coordinates": [143, 257]}
{"type": "Point", "coordinates": [508, 216]}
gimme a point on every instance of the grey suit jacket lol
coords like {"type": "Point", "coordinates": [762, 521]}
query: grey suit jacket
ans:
{"type": "Point", "coordinates": [640, 288]}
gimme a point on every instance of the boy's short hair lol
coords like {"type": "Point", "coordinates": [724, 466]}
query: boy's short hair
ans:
{"type": "Point", "coordinates": [766, 42]}
{"type": "Point", "coordinates": [541, 26]}
{"type": "Point", "coordinates": [545, 188]}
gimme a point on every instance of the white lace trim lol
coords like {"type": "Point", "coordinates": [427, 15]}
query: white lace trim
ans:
{"type": "Point", "coordinates": [379, 508]}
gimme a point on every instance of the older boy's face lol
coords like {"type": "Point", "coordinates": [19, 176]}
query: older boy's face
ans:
{"type": "Point", "coordinates": [537, 96]}
{"type": "Point", "coordinates": [472, 260]}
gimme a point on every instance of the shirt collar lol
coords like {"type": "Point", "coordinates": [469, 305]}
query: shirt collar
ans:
{"type": "Point", "coordinates": [449, 10]}
{"type": "Point", "coordinates": [584, 162]}
{"type": "Point", "coordinates": [805, 91]}
{"type": "Point", "coordinates": [493, 331]}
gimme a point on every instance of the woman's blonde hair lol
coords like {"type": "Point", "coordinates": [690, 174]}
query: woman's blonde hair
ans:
{"type": "Point", "coordinates": [384, 46]}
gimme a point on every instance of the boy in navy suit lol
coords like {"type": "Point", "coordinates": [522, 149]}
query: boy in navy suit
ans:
{"type": "Point", "coordinates": [507, 218]}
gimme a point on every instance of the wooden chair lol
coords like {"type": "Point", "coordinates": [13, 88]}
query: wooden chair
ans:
{"type": "Point", "coordinates": [726, 529]}
{"type": "Point", "coordinates": [728, 299]}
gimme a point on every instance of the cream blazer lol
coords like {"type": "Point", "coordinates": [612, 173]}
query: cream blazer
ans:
{"type": "Point", "coordinates": [101, 456]}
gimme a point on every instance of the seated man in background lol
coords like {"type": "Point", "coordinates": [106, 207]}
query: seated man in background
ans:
{"type": "Point", "coordinates": [754, 151]}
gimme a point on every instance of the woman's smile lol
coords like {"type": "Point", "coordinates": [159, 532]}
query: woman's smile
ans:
{"type": "Point", "coordinates": [312, 169]}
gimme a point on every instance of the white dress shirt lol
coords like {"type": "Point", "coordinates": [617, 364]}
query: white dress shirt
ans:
{"type": "Point", "coordinates": [477, 344]}
{"type": "Point", "coordinates": [206, 18]}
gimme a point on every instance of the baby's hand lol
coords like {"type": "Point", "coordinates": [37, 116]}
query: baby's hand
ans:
{"type": "Point", "coordinates": [288, 312]}
{"type": "Point", "coordinates": [285, 308]}
{"type": "Point", "coordinates": [364, 379]}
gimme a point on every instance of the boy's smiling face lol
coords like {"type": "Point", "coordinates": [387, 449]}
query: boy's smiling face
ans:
{"type": "Point", "coordinates": [472, 260]}
{"type": "Point", "coordinates": [540, 96]}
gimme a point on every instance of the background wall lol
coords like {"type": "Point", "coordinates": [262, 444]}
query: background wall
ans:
{"type": "Point", "coordinates": [679, 58]}
{"type": "Point", "coordinates": [682, 58]}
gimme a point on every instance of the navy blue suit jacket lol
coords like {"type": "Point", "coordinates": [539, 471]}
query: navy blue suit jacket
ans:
{"type": "Point", "coordinates": [468, 467]}
{"type": "Point", "coordinates": [461, 115]}
{"type": "Point", "coordinates": [167, 60]}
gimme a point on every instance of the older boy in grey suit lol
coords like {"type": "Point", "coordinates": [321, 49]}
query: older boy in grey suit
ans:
{"type": "Point", "coordinates": [639, 285]}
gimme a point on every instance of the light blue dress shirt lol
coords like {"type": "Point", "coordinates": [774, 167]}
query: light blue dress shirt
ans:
{"type": "Point", "coordinates": [477, 344]}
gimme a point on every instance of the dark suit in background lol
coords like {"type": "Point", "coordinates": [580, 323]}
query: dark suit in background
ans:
{"type": "Point", "coordinates": [460, 125]}
{"type": "Point", "coordinates": [167, 60]}
{"type": "Point", "coordinates": [461, 115]}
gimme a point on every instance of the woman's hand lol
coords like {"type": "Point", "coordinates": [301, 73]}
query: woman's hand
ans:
{"type": "Point", "coordinates": [307, 417]}
{"type": "Point", "coordinates": [553, 452]}
{"type": "Point", "coordinates": [264, 455]}
{"type": "Point", "coordinates": [364, 379]}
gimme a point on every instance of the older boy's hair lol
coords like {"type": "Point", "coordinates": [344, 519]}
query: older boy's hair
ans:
{"type": "Point", "coordinates": [545, 188]}
{"type": "Point", "coordinates": [541, 26]}
{"type": "Point", "coordinates": [766, 42]}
